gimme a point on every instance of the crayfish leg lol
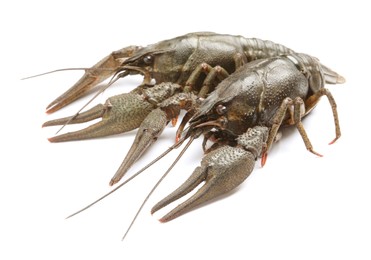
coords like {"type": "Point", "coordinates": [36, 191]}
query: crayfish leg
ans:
{"type": "Point", "coordinates": [313, 100]}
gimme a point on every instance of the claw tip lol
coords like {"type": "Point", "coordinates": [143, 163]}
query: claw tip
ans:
{"type": "Point", "coordinates": [49, 109]}
{"type": "Point", "coordinates": [263, 159]}
{"type": "Point", "coordinates": [162, 220]}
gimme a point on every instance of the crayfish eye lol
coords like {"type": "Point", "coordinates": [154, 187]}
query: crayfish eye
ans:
{"type": "Point", "coordinates": [148, 59]}
{"type": "Point", "coordinates": [221, 110]}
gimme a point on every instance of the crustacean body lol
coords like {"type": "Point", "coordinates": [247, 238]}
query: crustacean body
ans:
{"type": "Point", "coordinates": [236, 91]}
{"type": "Point", "coordinates": [196, 62]}
{"type": "Point", "coordinates": [244, 114]}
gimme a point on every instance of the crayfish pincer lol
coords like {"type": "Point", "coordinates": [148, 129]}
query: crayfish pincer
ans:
{"type": "Point", "coordinates": [222, 170]}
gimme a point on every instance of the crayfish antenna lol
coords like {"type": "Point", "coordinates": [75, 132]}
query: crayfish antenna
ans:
{"type": "Point", "coordinates": [53, 71]}
{"type": "Point", "coordinates": [129, 179]}
{"type": "Point", "coordinates": [160, 180]}
{"type": "Point", "coordinates": [105, 195]}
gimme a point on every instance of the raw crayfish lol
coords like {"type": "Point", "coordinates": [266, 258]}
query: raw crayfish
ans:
{"type": "Point", "coordinates": [238, 92]}
{"type": "Point", "coordinates": [196, 62]}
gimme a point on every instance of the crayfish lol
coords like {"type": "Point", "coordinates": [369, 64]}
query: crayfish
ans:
{"type": "Point", "coordinates": [237, 92]}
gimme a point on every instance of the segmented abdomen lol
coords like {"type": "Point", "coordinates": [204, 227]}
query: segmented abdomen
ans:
{"type": "Point", "coordinates": [259, 49]}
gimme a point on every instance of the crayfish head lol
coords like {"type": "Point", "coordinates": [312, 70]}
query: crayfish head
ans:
{"type": "Point", "coordinates": [164, 60]}
{"type": "Point", "coordinates": [233, 118]}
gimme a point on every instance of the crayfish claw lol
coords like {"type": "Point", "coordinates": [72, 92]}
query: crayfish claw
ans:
{"type": "Point", "coordinates": [149, 130]}
{"type": "Point", "coordinates": [152, 126]}
{"type": "Point", "coordinates": [221, 170]}
{"type": "Point", "coordinates": [104, 69]}
{"type": "Point", "coordinates": [91, 114]}
{"type": "Point", "coordinates": [120, 114]}
{"type": "Point", "coordinates": [197, 177]}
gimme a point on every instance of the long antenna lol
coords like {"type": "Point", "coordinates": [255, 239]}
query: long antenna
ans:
{"type": "Point", "coordinates": [157, 184]}
{"type": "Point", "coordinates": [128, 180]}
{"type": "Point", "coordinates": [59, 70]}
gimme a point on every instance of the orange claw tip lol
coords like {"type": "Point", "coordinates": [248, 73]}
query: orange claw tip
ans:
{"type": "Point", "coordinates": [53, 107]}
{"type": "Point", "coordinates": [112, 182]}
{"type": "Point", "coordinates": [45, 124]}
{"type": "Point", "coordinates": [333, 141]}
{"type": "Point", "coordinates": [55, 139]}
{"type": "Point", "coordinates": [162, 220]}
{"type": "Point", "coordinates": [49, 111]}
{"type": "Point", "coordinates": [263, 159]}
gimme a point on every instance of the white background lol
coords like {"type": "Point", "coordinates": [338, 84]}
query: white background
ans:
{"type": "Point", "coordinates": [298, 206]}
